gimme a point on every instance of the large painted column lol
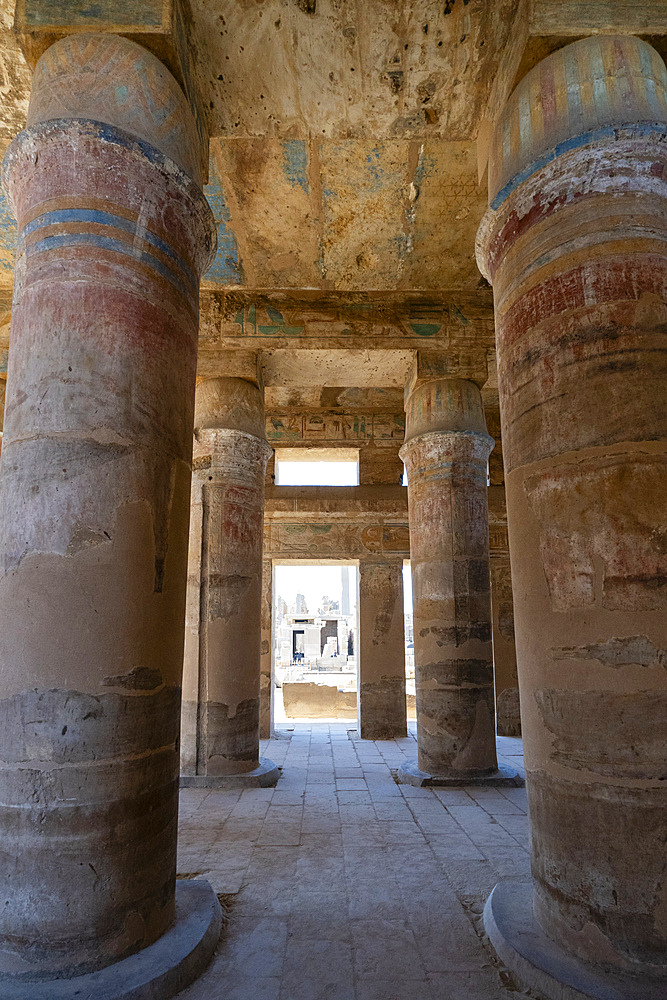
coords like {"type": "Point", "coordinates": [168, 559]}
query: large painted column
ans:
{"type": "Point", "coordinates": [446, 452]}
{"type": "Point", "coordinates": [574, 242]}
{"type": "Point", "coordinates": [381, 700]}
{"type": "Point", "coordinates": [230, 456]}
{"type": "Point", "coordinates": [114, 232]}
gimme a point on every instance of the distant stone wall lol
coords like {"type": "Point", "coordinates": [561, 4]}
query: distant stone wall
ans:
{"type": "Point", "coordinates": [306, 700]}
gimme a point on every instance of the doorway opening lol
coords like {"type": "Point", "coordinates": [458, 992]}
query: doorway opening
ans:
{"type": "Point", "coordinates": [315, 641]}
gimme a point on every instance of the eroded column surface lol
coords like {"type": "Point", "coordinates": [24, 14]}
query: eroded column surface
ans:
{"type": "Point", "coordinates": [229, 463]}
{"type": "Point", "coordinates": [381, 685]}
{"type": "Point", "coordinates": [114, 233]}
{"type": "Point", "coordinates": [574, 243]}
{"type": "Point", "coordinates": [445, 453]}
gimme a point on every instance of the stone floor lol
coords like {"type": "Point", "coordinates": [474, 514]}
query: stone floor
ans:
{"type": "Point", "coordinates": [340, 884]}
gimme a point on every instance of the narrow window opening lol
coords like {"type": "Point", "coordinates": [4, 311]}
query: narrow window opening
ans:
{"type": "Point", "coordinates": [317, 467]}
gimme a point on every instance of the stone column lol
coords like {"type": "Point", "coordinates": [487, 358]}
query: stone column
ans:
{"type": "Point", "coordinates": [381, 704]}
{"type": "Point", "coordinates": [230, 456]}
{"type": "Point", "coordinates": [574, 244]}
{"type": "Point", "coordinates": [190, 687]}
{"type": "Point", "coordinates": [445, 453]}
{"type": "Point", "coordinates": [505, 676]}
{"type": "Point", "coordinates": [266, 653]}
{"type": "Point", "coordinates": [114, 233]}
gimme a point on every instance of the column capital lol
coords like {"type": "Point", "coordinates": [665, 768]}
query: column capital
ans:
{"type": "Point", "coordinates": [159, 26]}
{"type": "Point", "coordinates": [590, 119]}
{"type": "Point", "coordinates": [95, 77]}
{"type": "Point", "coordinates": [446, 406]}
{"type": "Point", "coordinates": [230, 403]}
{"type": "Point", "coordinates": [230, 430]}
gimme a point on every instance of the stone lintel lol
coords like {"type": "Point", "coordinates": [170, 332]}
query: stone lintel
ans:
{"type": "Point", "coordinates": [314, 319]}
{"type": "Point", "coordinates": [338, 429]}
{"type": "Point", "coordinates": [161, 26]}
{"type": "Point", "coordinates": [339, 502]}
{"type": "Point", "coordinates": [321, 540]}
{"type": "Point", "coordinates": [336, 400]}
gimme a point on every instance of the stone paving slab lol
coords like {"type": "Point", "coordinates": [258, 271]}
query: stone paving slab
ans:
{"type": "Point", "coordinates": [341, 884]}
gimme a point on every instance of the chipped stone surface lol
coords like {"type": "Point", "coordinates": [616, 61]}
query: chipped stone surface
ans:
{"type": "Point", "coordinates": [363, 68]}
{"type": "Point", "coordinates": [616, 653]}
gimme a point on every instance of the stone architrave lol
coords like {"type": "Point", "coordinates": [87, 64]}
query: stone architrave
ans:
{"type": "Point", "coordinates": [114, 233]}
{"type": "Point", "coordinates": [230, 456]}
{"type": "Point", "coordinates": [446, 453]}
{"type": "Point", "coordinates": [574, 244]}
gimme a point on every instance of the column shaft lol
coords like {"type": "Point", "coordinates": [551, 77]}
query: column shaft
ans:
{"type": "Point", "coordinates": [574, 243]}
{"type": "Point", "coordinates": [381, 671]}
{"type": "Point", "coordinates": [266, 653]}
{"type": "Point", "coordinates": [190, 688]}
{"type": "Point", "coordinates": [230, 456]}
{"type": "Point", "coordinates": [446, 454]}
{"type": "Point", "coordinates": [506, 681]}
{"type": "Point", "coordinates": [94, 497]}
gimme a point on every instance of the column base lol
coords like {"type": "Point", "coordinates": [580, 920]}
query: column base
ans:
{"type": "Point", "coordinates": [541, 964]}
{"type": "Point", "coordinates": [264, 776]}
{"type": "Point", "coordinates": [383, 732]}
{"type": "Point", "coordinates": [157, 972]}
{"type": "Point", "coordinates": [409, 774]}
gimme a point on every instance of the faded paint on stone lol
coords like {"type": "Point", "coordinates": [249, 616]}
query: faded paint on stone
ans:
{"type": "Point", "coordinates": [574, 244]}
{"type": "Point", "coordinates": [94, 498]}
